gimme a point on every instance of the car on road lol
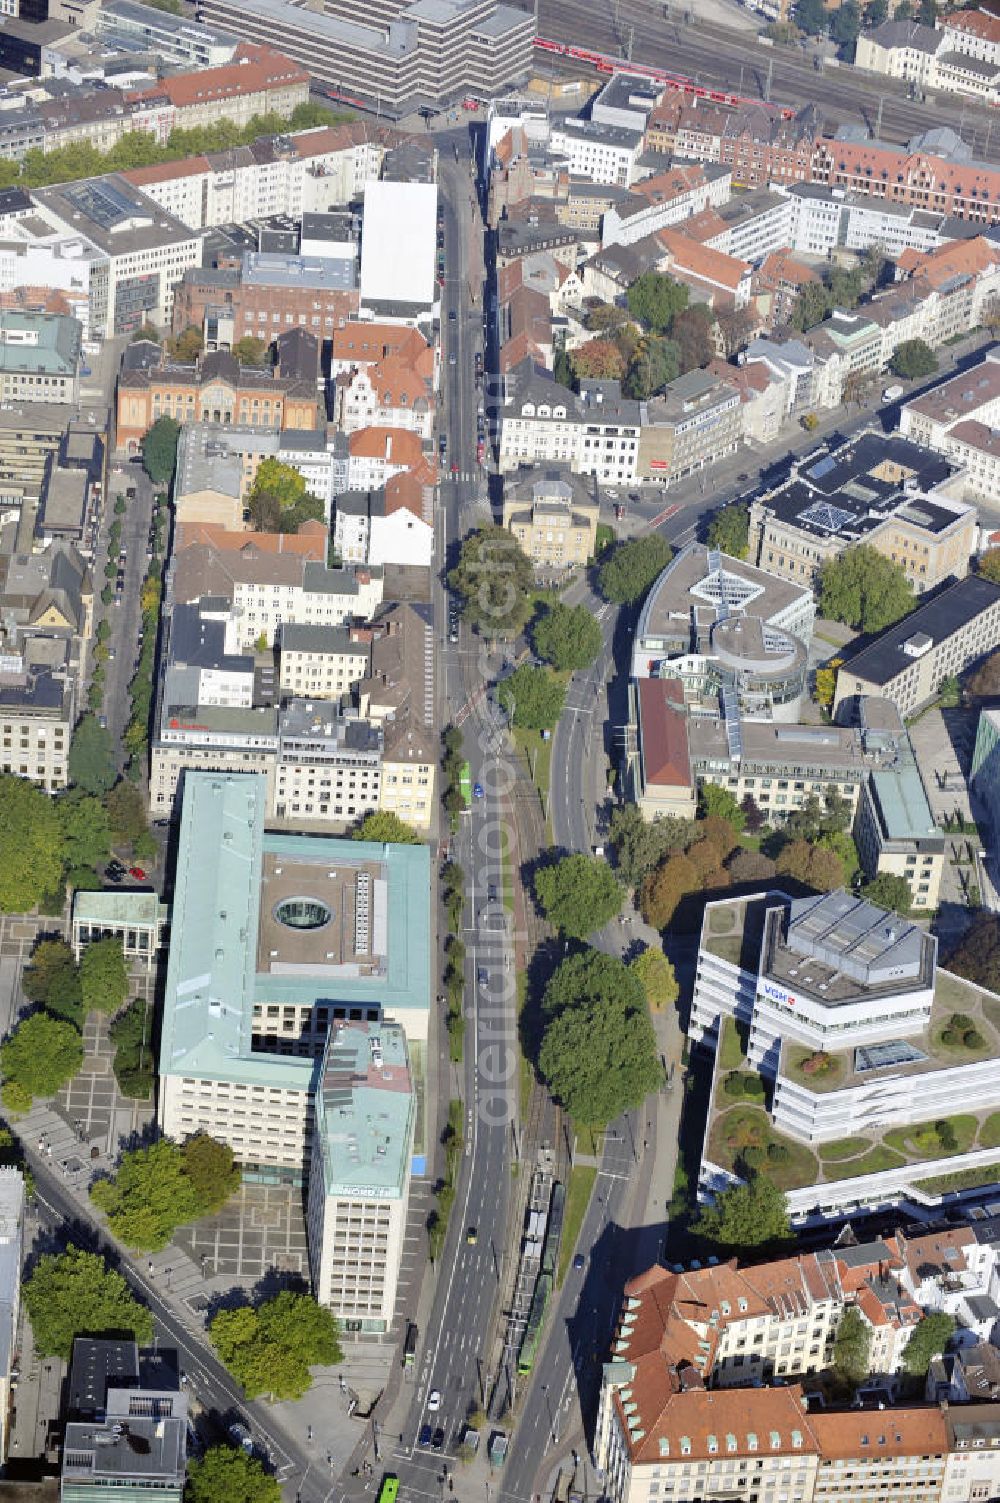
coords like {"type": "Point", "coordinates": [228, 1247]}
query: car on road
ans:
{"type": "Point", "coordinates": [472, 1236]}
{"type": "Point", "coordinates": [138, 872]}
{"type": "Point", "coordinates": [437, 1440]}
{"type": "Point", "coordinates": [424, 1438]}
{"type": "Point", "coordinates": [434, 1400]}
{"type": "Point", "coordinates": [452, 315]}
{"type": "Point", "coordinates": [443, 445]}
{"type": "Point", "coordinates": [454, 467]}
{"type": "Point", "coordinates": [579, 1261]}
{"type": "Point", "coordinates": [491, 892]}
{"type": "Point", "coordinates": [102, 721]}
{"type": "Point", "coordinates": [453, 358]}
{"type": "Point", "coordinates": [477, 789]}
{"type": "Point", "coordinates": [482, 976]}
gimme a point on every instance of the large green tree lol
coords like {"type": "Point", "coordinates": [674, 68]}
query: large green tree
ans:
{"type": "Point", "coordinates": [567, 636]}
{"type": "Point", "coordinates": [977, 955]}
{"type": "Point", "coordinates": [74, 1294]}
{"type": "Point", "coordinates": [279, 500]}
{"type": "Point", "coordinates": [889, 890]}
{"type": "Point", "coordinates": [85, 828]}
{"type": "Point", "coordinates": [641, 844]}
{"type": "Point", "coordinates": [864, 589]}
{"type": "Point", "coordinates": [31, 848]}
{"type": "Point", "coordinates": [578, 894]}
{"type": "Point", "coordinates": [913, 359]}
{"type": "Point", "coordinates": [716, 802]}
{"type": "Point", "coordinates": [159, 1188]}
{"type": "Point", "coordinates": [270, 1348]}
{"type": "Point", "coordinates": [852, 1347]}
{"type": "Point", "coordinates": [729, 530]}
{"type": "Point", "coordinates": [103, 977]}
{"type": "Point", "coordinates": [691, 332]}
{"type": "Point", "coordinates": [657, 977]}
{"type": "Point", "coordinates": [126, 813]}
{"type": "Point", "coordinates": [754, 1214]}
{"type": "Point", "coordinates": [989, 565]}
{"type": "Point", "coordinates": [632, 568]}
{"type": "Point", "coordinates": [655, 300]}
{"type": "Point", "coordinates": [52, 979]}
{"type": "Point", "coordinates": [598, 1051]}
{"type": "Point", "coordinates": [654, 362]}
{"type": "Point", "coordinates": [209, 1166]}
{"type": "Point", "coordinates": [159, 451]}
{"type": "Point", "coordinates": [535, 695]}
{"type": "Point", "coordinates": [385, 828]}
{"type": "Point", "coordinates": [495, 578]}
{"type": "Point", "coordinates": [813, 865]}
{"type": "Point", "coordinates": [38, 1058]}
{"type": "Point", "coordinates": [930, 1337]}
{"type": "Point", "coordinates": [226, 1475]}
{"type": "Point", "coordinates": [91, 756]}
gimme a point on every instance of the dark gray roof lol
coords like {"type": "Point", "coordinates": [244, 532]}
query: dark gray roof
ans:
{"type": "Point", "coordinates": [98, 1365]}
{"type": "Point", "coordinates": [938, 619]}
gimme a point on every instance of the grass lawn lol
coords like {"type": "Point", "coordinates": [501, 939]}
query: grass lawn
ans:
{"type": "Point", "coordinates": [538, 755]}
{"type": "Point", "coordinates": [872, 1162]}
{"type": "Point", "coordinates": [826, 1079]}
{"type": "Point", "coordinates": [989, 1133]}
{"type": "Point", "coordinates": [843, 1148]}
{"type": "Point", "coordinates": [578, 1193]}
{"type": "Point", "coordinates": [920, 1139]}
{"type": "Point", "coordinates": [730, 1046]}
{"type": "Point", "coordinates": [745, 1127]}
{"type": "Point", "coordinates": [507, 876]}
{"type": "Point", "coordinates": [526, 1075]}
{"type": "Point", "coordinates": [962, 1179]}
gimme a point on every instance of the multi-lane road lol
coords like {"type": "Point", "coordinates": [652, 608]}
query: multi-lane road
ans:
{"type": "Point", "coordinates": [735, 60]}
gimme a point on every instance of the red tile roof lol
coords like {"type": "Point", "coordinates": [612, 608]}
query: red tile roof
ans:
{"type": "Point", "coordinates": [663, 729]}
{"type": "Point", "coordinates": [254, 70]}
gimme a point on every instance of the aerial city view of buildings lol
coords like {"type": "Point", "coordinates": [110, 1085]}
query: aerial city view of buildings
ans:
{"type": "Point", "coordinates": [499, 751]}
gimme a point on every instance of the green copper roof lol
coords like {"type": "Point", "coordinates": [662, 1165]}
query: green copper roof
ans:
{"type": "Point", "coordinates": [212, 981]}
{"type": "Point", "coordinates": [364, 1111]}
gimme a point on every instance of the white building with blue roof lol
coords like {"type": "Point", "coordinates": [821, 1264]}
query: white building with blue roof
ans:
{"type": "Point", "coordinates": [275, 940]}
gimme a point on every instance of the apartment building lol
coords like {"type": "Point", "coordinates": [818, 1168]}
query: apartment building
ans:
{"type": "Point", "coordinates": [214, 389]}
{"type": "Point", "coordinates": [597, 150]}
{"type": "Point", "coordinates": [322, 662]}
{"type": "Point", "coordinates": [693, 422]}
{"type": "Point", "coordinates": [258, 81]}
{"type": "Point", "coordinates": [11, 1252]}
{"type": "Point", "coordinates": [268, 293]}
{"type": "Point", "coordinates": [387, 393]}
{"type": "Point", "coordinates": [752, 139]}
{"type": "Point", "coordinates": [657, 771]}
{"type": "Point", "coordinates": [387, 526]}
{"type": "Point", "coordinates": [329, 765]}
{"type": "Point", "coordinates": [958, 419]}
{"type": "Point", "coordinates": [825, 217]}
{"type": "Point", "coordinates": [39, 357]}
{"type": "Point", "coordinates": [665, 199]}
{"type": "Point", "coordinates": [302, 172]}
{"type": "Point", "coordinates": [397, 56]}
{"type": "Point", "coordinates": [939, 639]}
{"type": "Point", "coordinates": [881, 490]}
{"type": "Point", "coordinates": [398, 695]}
{"type": "Point", "coordinates": [554, 518]}
{"type": "Point", "coordinates": [359, 1180]}
{"type": "Point", "coordinates": [912, 175]}
{"type": "Point", "coordinates": [133, 280]}
{"type": "Point", "coordinates": [298, 934]}
{"type": "Point", "coordinates": [263, 591]}
{"type": "Point", "coordinates": [928, 58]}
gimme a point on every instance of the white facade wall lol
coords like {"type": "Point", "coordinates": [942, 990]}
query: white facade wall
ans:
{"type": "Point", "coordinates": [400, 538]}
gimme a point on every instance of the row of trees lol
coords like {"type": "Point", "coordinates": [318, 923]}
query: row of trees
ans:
{"type": "Point", "coordinates": [45, 1050]}
{"type": "Point", "coordinates": [140, 148]}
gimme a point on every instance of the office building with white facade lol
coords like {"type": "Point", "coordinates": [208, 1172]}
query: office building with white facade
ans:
{"type": "Point", "coordinates": [359, 1176]}
{"type": "Point", "coordinates": [860, 1035]}
{"type": "Point", "coordinates": [275, 939]}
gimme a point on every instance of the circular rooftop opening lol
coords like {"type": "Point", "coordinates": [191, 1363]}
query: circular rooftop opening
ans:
{"type": "Point", "coordinates": [303, 913]}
